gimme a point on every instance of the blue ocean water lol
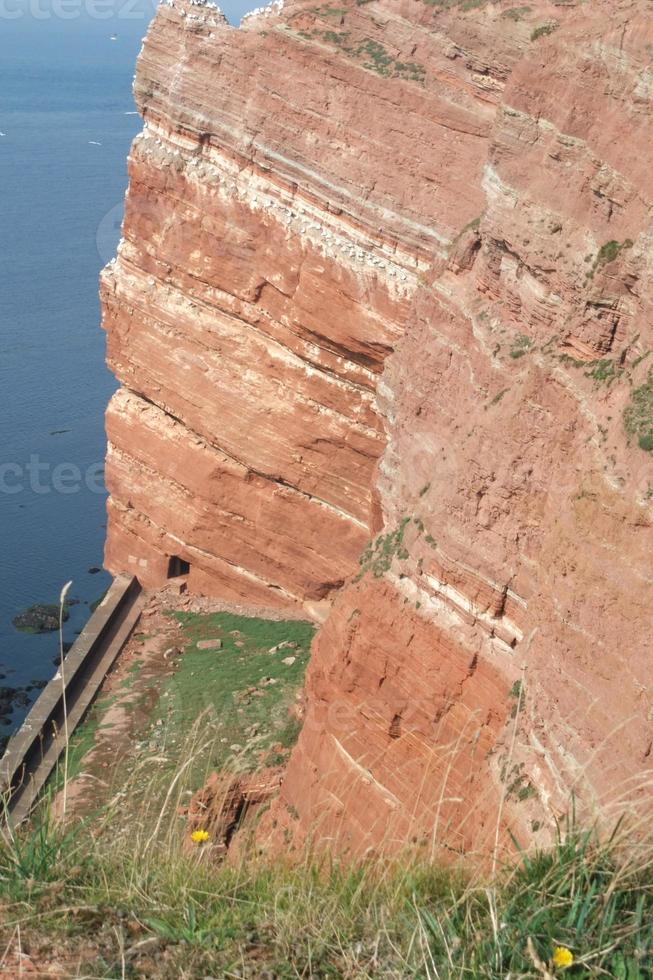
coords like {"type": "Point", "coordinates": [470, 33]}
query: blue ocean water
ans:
{"type": "Point", "coordinates": [67, 120]}
{"type": "Point", "coordinates": [62, 85]}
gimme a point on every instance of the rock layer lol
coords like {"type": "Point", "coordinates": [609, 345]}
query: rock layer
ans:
{"type": "Point", "coordinates": [386, 274]}
{"type": "Point", "coordinates": [276, 229]}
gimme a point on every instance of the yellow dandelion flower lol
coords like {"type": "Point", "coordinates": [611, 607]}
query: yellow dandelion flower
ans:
{"type": "Point", "coordinates": [563, 958]}
{"type": "Point", "coordinates": [199, 836]}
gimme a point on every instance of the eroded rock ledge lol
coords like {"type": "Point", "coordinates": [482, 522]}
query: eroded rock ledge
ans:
{"type": "Point", "coordinates": [386, 275]}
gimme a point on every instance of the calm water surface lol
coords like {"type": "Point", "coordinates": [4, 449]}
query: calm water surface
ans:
{"type": "Point", "coordinates": [64, 88]}
{"type": "Point", "coordinates": [67, 119]}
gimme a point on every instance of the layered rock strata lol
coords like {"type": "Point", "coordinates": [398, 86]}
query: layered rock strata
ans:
{"type": "Point", "coordinates": [386, 275]}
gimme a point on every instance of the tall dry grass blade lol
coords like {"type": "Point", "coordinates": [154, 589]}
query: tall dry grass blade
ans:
{"type": "Point", "coordinates": [189, 761]}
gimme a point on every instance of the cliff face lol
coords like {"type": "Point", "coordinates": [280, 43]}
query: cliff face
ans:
{"type": "Point", "coordinates": [386, 276]}
{"type": "Point", "coordinates": [276, 229]}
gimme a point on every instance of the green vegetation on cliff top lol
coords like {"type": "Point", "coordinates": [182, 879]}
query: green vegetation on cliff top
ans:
{"type": "Point", "coordinates": [115, 895]}
{"type": "Point", "coordinates": [100, 905]}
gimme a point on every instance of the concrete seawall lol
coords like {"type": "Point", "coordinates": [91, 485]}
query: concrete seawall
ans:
{"type": "Point", "coordinates": [33, 751]}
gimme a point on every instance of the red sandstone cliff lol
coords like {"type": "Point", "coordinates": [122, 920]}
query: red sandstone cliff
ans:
{"type": "Point", "coordinates": [386, 274]}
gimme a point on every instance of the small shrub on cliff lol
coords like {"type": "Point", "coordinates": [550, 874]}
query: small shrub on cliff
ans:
{"type": "Point", "coordinates": [521, 345]}
{"type": "Point", "coordinates": [381, 61]}
{"type": "Point", "coordinates": [464, 5]}
{"type": "Point", "coordinates": [410, 70]}
{"type": "Point", "coordinates": [379, 554]}
{"type": "Point", "coordinates": [516, 13]}
{"type": "Point", "coordinates": [646, 443]}
{"type": "Point", "coordinates": [336, 38]}
{"type": "Point", "coordinates": [608, 253]}
{"type": "Point", "coordinates": [543, 31]}
{"type": "Point", "coordinates": [638, 416]}
{"type": "Point", "coordinates": [326, 11]}
{"type": "Point", "coordinates": [604, 371]}
{"type": "Point", "coordinates": [371, 53]}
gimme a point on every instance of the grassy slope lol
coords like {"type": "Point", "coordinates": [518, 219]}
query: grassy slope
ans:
{"type": "Point", "coordinates": [116, 896]}
{"type": "Point", "coordinates": [243, 693]}
{"type": "Point", "coordinates": [150, 912]}
{"type": "Point", "coordinates": [220, 708]}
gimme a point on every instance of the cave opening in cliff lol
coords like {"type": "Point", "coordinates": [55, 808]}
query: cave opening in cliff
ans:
{"type": "Point", "coordinates": [177, 566]}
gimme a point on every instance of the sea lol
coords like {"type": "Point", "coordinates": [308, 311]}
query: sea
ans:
{"type": "Point", "coordinates": [67, 119]}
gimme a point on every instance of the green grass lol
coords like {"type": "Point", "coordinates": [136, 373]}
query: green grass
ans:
{"type": "Point", "coordinates": [521, 345]}
{"type": "Point", "coordinates": [222, 708]}
{"type": "Point", "coordinates": [543, 31]}
{"type": "Point", "coordinates": [645, 442]}
{"type": "Point", "coordinates": [516, 13]}
{"type": "Point", "coordinates": [604, 371]}
{"type": "Point", "coordinates": [117, 895]}
{"type": "Point", "coordinates": [638, 416]}
{"type": "Point", "coordinates": [608, 253]}
{"type": "Point", "coordinates": [230, 686]}
{"type": "Point", "coordinates": [383, 63]}
{"type": "Point", "coordinates": [326, 11]}
{"type": "Point", "coordinates": [373, 56]}
{"type": "Point", "coordinates": [81, 742]}
{"type": "Point", "coordinates": [335, 37]}
{"type": "Point", "coordinates": [380, 553]}
{"type": "Point", "coordinates": [570, 361]}
{"type": "Point", "coordinates": [465, 5]}
{"type": "Point", "coordinates": [499, 395]}
{"type": "Point", "coordinates": [115, 907]}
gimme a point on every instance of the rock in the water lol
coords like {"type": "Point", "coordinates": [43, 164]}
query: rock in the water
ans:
{"type": "Point", "coordinates": [10, 698]}
{"type": "Point", "coordinates": [36, 685]}
{"type": "Point", "coordinates": [41, 618]}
